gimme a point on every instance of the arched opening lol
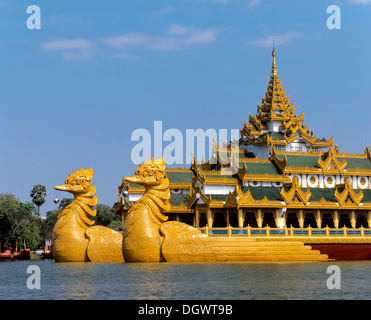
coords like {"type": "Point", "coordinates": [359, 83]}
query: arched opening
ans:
{"type": "Point", "coordinates": [310, 220]}
{"type": "Point", "coordinates": [250, 220]}
{"type": "Point", "coordinates": [233, 221]}
{"type": "Point", "coordinates": [292, 220]}
{"type": "Point", "coordinates": [171, 217]}
{"type": "Point", "coordinates": [361, 221]}
{"type": "Point", "coordinates": [186, 218]}
{"type": "Point", "coordinates": [203, 220]}
{"type": "Point", "coordinates": [344, 221]}
{"type": "Point", "coordinates": [327, 221]}
{"type": "Point", "coordinates": [269, 220]}
{"type": "Point", "coordinates": [219, 221]}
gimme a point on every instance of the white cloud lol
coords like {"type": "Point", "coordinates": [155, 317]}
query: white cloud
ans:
{"type": "Point", "coordinates": [359, 1]}
{"type": "Point", "coordinates": [254, 3]}
{"type": "Point", "coordinates": [203, 36]}
{"type": "Point", "coordinates": [193, 35]}
{"type": "Point", "coordinates": [164, 11]}
{"type": "Point", "coordinates": [178, 37]}
{"type": "Point", "coordinates": [279, 39]}
{"type": "Point", "coordinates": [178, 29]}
{"type": "Point", "coordinates": [70, 48]}
{"type": "Point", "coordinates": [166, 44]}
{"type": "Point", "coordinates": [125, 40]}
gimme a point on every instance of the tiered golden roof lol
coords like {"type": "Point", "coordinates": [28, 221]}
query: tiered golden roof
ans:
{"type": "Point", "coordinates": [275, 106]}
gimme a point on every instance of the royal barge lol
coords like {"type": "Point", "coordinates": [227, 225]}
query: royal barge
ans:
{"type": "Point", "coordinates": [279, 183]}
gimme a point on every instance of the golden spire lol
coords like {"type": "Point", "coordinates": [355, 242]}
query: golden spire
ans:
{"type": "Point", "coordinates": [275, 97]}
{"type": "Point", "coordinates": [274, 67]}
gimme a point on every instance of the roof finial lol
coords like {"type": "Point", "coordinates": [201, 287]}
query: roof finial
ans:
{"type": "Point", "coordinates": [274, 67]}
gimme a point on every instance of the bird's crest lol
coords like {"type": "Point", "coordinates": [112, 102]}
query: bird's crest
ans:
{"type": "Point", "coordinates": [157, 162]}
{"type": "Point", "coordinates": [86, 174]}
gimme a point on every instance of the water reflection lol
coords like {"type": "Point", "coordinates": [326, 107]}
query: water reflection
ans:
{"type": "Point", "coordinates": [184, 281]}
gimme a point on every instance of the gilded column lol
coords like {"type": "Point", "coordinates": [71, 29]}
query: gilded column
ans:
{"type": "Point", "coordinates": [209, 217]}
{"type": "Point", "coordinates": [369, 219]}
{"type": "Point", "coordinates": [353, 218]}
{"type": "Point", "coordinates": [300, 216]}
{"type": "Point", "coordinates": [197, 218]}
{"type": "Point", "coordinates": [318, 215]}
{"type": "Point", "coordinates": [335, 218]}
{"type": "Point", "coordinates": [227, 217]}
{"type": "Point", "coordinates": [277, 218]}
{"type": "Point", "coordinates": [259, 217]}
{"type": "Point", "coordinates": [241, 217]}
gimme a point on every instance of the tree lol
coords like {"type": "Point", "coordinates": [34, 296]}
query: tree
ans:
{"type": "Point", "coordinates": [107, 218]}
{"type": "Point", "coordinates": [17, 222]}
{"type": "Point", "coordinates": [38, 194]}
{"type": "Point", "coordinates": [65, 202]}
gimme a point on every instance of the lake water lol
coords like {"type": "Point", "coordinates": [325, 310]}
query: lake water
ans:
{"type": "Point", "coordinates": [193, 281]}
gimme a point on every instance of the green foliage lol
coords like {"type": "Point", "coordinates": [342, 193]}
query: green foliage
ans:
{"type": "Point", "coordinates": [106, 217]}
{"type": "Point", "coordinates": [65, 202]}
{"type": "Point", "coordinates": [15, 218]}
{"type": "Point", "coordinates": [38, 194]}
{"type": "Point", "coordinates": [30, 234]}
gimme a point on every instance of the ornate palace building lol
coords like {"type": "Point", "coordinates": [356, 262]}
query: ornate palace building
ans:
{"type": "Point", "coordinates": [283, 176]}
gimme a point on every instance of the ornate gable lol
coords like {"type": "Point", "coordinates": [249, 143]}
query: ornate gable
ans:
{"type": "Point", "coordinates": [295, 193]}
{"type": "Point", "coordinates": [331, 163]}
{"type": "Point", "coordinates": [348, 194]}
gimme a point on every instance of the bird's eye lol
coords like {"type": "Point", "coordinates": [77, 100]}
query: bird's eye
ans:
{"type": "Point", "coordinates": [145, 174]}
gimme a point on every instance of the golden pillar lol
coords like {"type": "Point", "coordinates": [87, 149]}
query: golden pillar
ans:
{"type": "Point", "coordinates": [197, 218]}
{"type": "Point", "coordinates": [369, 219]}
{"type": "Point", "coordinates": [353, 218]}
{"type": "Point", "coordinates": [241, 217]}
{"type": "Point", "coordinates": [227, 217]}
{"type": "Point", "coordinates": [300, 216]}
{"type": "Point", "coordinates": [259, 217]}
{"type": "Point", "coordinates": [210, 217]}
{"type": "Point", "coordinates": [318, 216]}
{"type": "Point", "coordinates": [335, 218]}
{"type": "Point", "coordinates": [277, 218]}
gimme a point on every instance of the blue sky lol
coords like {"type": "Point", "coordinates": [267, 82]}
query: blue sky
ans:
{"type": "Point", "coordinates": [72, 92]}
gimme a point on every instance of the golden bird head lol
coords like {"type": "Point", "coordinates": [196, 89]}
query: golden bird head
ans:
{"type": "Point", "coordinates": [149, 173]}
{"type": "Point", "coordinates": [78, 182]}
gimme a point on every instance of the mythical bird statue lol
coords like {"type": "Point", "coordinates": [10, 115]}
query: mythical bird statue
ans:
{"type": "Point", "coordinates": [141, 227]}
{"type": "Point", "coordinates": [73, 237]}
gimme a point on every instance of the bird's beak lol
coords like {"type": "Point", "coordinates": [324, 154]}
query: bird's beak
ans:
{"type": "Point", "coordinates": [133, 179]}
{"type": "Point", "coordinates": [62, 187]}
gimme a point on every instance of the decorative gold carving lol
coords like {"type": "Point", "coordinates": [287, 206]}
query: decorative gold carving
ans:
{"type": "Point", "coordinates": [331, 158]}
{"type": "Point", "coordinates": [280, 163]}
{"type": "Point", "coordinates": [237, 197]}
{"type": "Point", "coordinates": [348, 193]}
{"type": "Point", "coordinates": [295, 190]}
{"type": "Point", "coordinates": [74, 239]}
